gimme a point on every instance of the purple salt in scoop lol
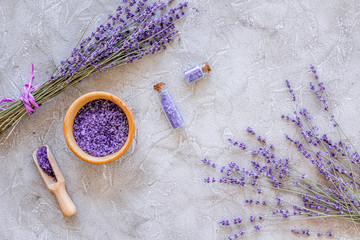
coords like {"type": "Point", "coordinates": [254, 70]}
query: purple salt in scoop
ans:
{"type": "Point", "coordinates": [53, 179]}
{"type": "Point", "coordinates": [43, 161]}
{"type": "Point", "coordinates": [197, 72]}
{"type": "Point", "coordinates": [171, 111]}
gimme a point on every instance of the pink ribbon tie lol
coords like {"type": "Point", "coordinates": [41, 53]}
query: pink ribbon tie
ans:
{"type": "Point", "coordinates": [27, 98]}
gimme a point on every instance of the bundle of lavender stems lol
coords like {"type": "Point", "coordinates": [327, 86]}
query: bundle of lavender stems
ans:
{"type": "Point", "coordinates": [136, 29]}
{"type": "Point", "coordinates": [330, 187]}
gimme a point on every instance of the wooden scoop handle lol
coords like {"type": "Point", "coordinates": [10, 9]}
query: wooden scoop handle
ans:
{"type": "Point", "coordinates": [67, 206]}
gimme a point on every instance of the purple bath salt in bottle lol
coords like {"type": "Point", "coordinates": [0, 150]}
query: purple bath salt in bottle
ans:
{"type": "Point", "coordinates": [168, 105]}
{"type": "Point", "coordinates": [196, 72]}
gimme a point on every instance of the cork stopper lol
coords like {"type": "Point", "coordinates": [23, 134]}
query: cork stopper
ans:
{"type": "Point", "coordinates": [206, 67]}
{"type": "Point", "coordinates": [160, 86]}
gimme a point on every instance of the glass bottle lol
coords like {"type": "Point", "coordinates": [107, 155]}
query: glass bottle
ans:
{"type": "Point", "coordinates": [197, 72]}
{"type": "Point", "coordinates": [168, 105]}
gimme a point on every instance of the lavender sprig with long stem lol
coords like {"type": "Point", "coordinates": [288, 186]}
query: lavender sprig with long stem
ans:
{"type": "Point", "coordinates": [330, 192]}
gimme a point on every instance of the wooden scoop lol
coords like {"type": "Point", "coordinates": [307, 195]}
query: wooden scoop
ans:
{"type": "Point", "coordinates": [67, 206]}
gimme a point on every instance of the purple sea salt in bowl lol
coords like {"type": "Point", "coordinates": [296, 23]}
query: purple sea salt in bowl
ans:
{"type": "Point", "coordinates": [99, 127]}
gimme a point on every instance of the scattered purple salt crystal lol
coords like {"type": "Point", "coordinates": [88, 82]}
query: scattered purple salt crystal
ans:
{"type": "Point", "coordinates": [100, 128]}
{"type": "Point", "coordinates": [43, 161]}
{"type": "Point", "coordinates": [168, 105]}
{"type": "Point", "coordinates": [197, 72]}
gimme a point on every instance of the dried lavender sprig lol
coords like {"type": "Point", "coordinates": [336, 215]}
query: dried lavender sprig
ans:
{"type": "Point", "coordinates": [338, 198]}
{"type": "Point", "coordinates": [231, 180]}
{"type": "Point", "coordinates": [332, 117]}
{"type": "Point", "coordinates": [347, 206]}
{"type": "Point", "coordinates": [320, 93]}
{"type": "Point", "coordinates": [135, 30]}
{"type": "Point", "coordinates": [226, 222]}
{"type": "Point", "coordinates": [335, 164]}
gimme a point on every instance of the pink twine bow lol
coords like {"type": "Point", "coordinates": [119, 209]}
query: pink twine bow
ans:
{"type": "Point", "coordinates": [27, 98]}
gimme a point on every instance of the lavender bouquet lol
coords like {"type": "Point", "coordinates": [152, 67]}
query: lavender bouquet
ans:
{"type": "Point", "coordinates": [136, 29]}
{"type": "Point", "coordinates": [330, 188]}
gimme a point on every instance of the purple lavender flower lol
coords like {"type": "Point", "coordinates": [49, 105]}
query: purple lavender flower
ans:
{"type": "Point", "coordinates": [209, 162]}
{"type": "Point", "coordinates": [241, 145]}
{"type": "Point", "coordinates": [237, 220]}
{"type": "Point", "coordinates": [135, 30]}
{"type": "Point", "coordinates": [225, 222]}
{"type": "Point", "coordinates": [319, 89]}
{"type": "Point", "coordinates": [290, 90]}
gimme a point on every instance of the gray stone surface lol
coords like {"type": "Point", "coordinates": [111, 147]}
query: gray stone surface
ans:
{"type": "Point", "coordinates": [156, 190]}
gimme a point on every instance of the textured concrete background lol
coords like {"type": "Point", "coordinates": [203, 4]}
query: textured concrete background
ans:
{"type": "Point", "coordinates": [156, 190]}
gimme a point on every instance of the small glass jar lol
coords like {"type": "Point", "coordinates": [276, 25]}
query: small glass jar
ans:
{"type": "Point", "coordinates": [197, 72]}
{"type": "Point", "coordinates": [168, 105]}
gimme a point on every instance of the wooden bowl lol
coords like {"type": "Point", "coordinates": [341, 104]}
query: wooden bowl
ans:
{"type": "Point", "coordinates": [69, 122]}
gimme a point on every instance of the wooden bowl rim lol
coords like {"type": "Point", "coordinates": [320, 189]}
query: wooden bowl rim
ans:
{"type": "Point", "coordinates": [69, 122]}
